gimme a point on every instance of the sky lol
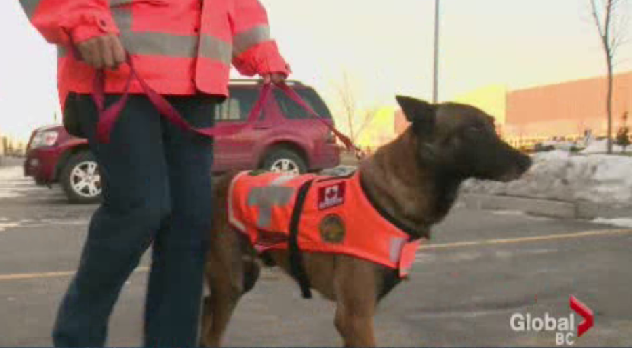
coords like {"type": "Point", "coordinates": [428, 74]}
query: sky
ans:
{"type": "Point", "coordinates": [384, 48]}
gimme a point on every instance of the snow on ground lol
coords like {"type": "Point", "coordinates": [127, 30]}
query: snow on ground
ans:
{"type": "Point", "coordinates": [10, 173]}
{"type": "Point", "coordinates": [600, 146]}
{"type": "Point", "coordinates": [5, 226]}
{"type": "Point", "coordinates": [621, 222]}
{"type": "Point", "coordinates": [339, 170]}
{"type": "Point", "coordinates": [520, 214]}
{"type": "Point", "coordinates": [558, 175]}
{"type": "Point", "coordinates": [13, 183]}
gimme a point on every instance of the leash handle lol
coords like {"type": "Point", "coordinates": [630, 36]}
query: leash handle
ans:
{"type": "Point", "coordinates": [108, 116]}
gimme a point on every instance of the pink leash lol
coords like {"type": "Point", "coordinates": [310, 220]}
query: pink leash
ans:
{"type": "Point", "coordinates": [108, 117]}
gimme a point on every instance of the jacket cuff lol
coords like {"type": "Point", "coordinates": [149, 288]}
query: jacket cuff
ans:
{"type": "Point", "coordinates": [96, 27]}
{"type": "Point", "coordinates": [276, 68]}
{"type": "Point", "coordinates": [266, 59]}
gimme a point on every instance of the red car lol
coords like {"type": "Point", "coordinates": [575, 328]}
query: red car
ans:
{"type": "Point", "coordinates": [285, 138]}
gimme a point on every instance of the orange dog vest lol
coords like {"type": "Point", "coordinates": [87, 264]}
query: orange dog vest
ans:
{"type": "Point", "coordinates": [335, 217]}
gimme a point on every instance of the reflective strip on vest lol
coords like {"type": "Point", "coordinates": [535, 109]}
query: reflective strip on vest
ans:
{"type": "Point", "coordinates": [216, 49]}
{"type": "Point", "coordinates": [231, 213]}
{"type": "Point", "coordinates": [169, 45]}
{"type": "Point", "coordinates": [114, 3]}
{"type": "Point", "coordinates": [122, 17]}
{"type": "Point", "coordinates": [178, 46]}
{"type": "Point", "coordinates": [396, 248]}
{"type": "Point", "coordinates": [250, 38]}
{"type": "Point", "coordinates": [264, 198]}
{"type": "Point", "coordinates": [29, 6]}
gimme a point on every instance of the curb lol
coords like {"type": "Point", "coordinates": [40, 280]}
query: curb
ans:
{"type": "Point", "coordinates": [544, 207]}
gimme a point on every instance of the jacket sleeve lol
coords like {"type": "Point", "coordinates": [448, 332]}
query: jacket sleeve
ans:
{"type": "Point", "coordinates": [254, 51]}
{"type": "Point", "coordinates": [60, 21]}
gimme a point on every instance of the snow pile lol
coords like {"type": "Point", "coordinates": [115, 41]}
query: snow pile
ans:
{"type": "Point", "coordinates": [601, 146]}
{"type": "Point", "coordinates": [558, 175]}
{"type": "Point", "coordinates": [13, 183]}
{"type": "Point", "coordinates": [10, 173]}
{"type": "Point", "coordinates": [340, 170]}
{"type": "Point", "coordinates": [621, 222]}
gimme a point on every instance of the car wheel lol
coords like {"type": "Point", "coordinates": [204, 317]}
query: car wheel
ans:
{"type": "Point", "coordinates": [285, 161]}
{"type": "Point", "coordinates": [80, 178]}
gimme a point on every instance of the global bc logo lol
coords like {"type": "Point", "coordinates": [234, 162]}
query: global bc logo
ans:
{"type": "Point", "coordinates": [563, 327]}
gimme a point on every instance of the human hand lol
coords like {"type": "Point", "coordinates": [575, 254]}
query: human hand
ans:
{"type": "Point", "coordinates": [105, 51]}
{"type": "Point", "coordinates": [274, 77]}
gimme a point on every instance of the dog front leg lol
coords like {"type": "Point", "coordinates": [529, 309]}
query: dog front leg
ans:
{"type": "Point", "coordinates": [219, 308]}
{"type": "Point", "coordinates": [356, 331]}
{"type": "Point", "coordinates": [224, 276]}
{"type": "Point", "coordinates": [356, 298]}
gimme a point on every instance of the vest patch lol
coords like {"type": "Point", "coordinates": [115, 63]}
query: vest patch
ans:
{"type": "Point", "coordinates": [332, 229]}
{"type": "Point", "coordinates": [331, 196]}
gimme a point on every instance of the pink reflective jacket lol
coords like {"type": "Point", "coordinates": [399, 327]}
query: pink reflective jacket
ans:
{"type": "Point", "coordinates": [178, 46]}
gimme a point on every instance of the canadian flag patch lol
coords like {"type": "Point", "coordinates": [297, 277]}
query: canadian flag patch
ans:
{"type": "Point", "coordinates": [331, 196]}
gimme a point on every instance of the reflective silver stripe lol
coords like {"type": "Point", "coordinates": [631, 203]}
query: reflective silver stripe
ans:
{"type": "Point", "coordinates": [231, 213]}
{"type": "Point", "coordinates": [265, 198]}
{"type": "Point", "coordinates": [396, 248]}
{"type": "Point", "coordinates": [282, 179]}
{"type": "Point", "coordinates": [115, 3]}
{"type": "Point", "coordinates": [61, 51]}
{"type": "Point", "coordinates": [151, 43]}
{"type": "Point", "coordinates": [122, 18]}
{"type": "Point", "coordinates": [159, 44]}
{"type": "Point", "coordinates": [29, 6]}
{"type": "Point", "coordinates": [181, 46]}
{"type": "Point", "coordinates": [249, 38]}
{"type": "Point", "coordinates": [213, 48]}
{"type": "Point", "coordinates": [165, 44]}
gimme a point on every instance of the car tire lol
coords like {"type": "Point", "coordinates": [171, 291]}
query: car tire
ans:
{"type": "Point", "coordinates": [278, 159]}
{"type": "Point", "coordinates": [80, 179]}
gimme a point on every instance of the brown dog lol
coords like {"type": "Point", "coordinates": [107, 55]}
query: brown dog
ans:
{"type": "Point", "coordinates": [414, 179]}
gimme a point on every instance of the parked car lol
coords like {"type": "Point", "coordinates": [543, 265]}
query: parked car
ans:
{"type": "Point", "coordinates": [284, 138]}
{"type": "Point", "coordinates": [563, 145]}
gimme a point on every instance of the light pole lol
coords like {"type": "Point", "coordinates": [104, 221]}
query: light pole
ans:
{"type": "Point", "coordinates": [435, 88]}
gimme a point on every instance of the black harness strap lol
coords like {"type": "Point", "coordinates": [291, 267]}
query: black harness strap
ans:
{"type": "Point", "coordinates": [297, 267]}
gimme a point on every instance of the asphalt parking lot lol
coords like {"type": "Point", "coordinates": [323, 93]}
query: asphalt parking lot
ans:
{"type": "Point", "coordinates": [479, 270]}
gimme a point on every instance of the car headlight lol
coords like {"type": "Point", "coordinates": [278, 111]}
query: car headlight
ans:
{"type": "Point", "coordinates": [45, 138]}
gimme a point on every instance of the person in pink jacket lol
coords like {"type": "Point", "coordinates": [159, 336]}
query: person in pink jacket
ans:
{"type": "Point", "coordinates": [156, 182]}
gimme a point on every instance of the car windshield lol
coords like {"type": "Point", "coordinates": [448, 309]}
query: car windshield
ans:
{"type": "Point", "coordinates": [292, 110]}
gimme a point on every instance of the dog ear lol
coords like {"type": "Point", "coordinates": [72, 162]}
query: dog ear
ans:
{"type": "Point", "coordinates": [420, 113]}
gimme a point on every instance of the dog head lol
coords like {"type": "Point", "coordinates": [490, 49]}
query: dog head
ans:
{"type": "Point", "coordinates": [461, 140]}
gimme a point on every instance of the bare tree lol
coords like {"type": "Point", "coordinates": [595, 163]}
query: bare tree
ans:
{"type": "Point", "coordinates": [348, 101]}
{"type": "Point", "coordinates": [609, 23]}
{"type": "Point", "coordinates": [368, 118]}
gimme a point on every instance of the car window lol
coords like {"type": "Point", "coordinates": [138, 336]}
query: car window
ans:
{"type": "Point", "coordinates": [237, 106]}
{"type": "Point", "coordinates": [293, 110]}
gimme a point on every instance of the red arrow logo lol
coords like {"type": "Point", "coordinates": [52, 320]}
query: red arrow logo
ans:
{"type": "Point", "coordinates": [585, 312]}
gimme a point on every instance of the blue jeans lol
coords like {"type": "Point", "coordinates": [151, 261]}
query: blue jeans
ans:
{"type": "Point", "coordinates": [156, 191]}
